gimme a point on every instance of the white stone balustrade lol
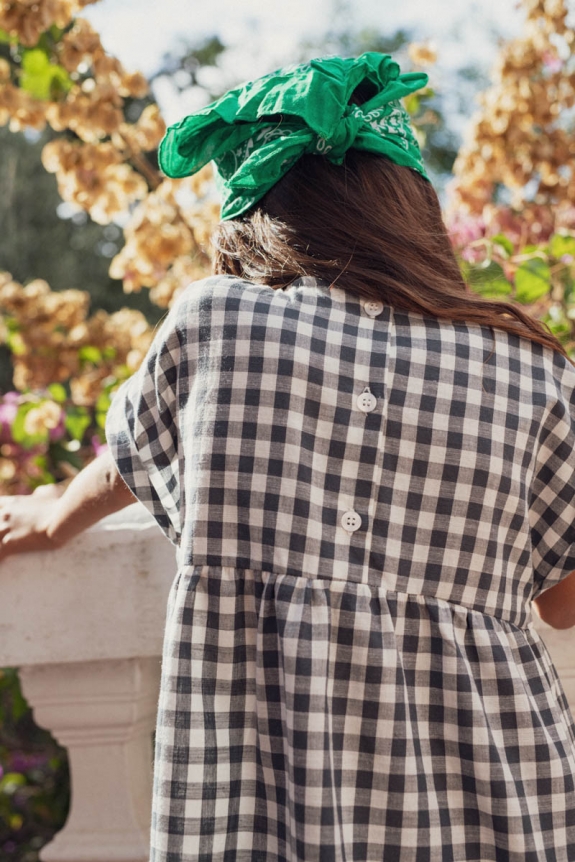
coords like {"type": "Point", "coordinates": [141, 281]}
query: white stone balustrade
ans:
{"type": "Point", "coordinates": [84, 624]}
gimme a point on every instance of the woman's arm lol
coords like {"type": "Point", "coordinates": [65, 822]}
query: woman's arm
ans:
{"type": "Point", "coordinates": [39, 522]}
{"type": "Point", "coordinates": [556, 606]}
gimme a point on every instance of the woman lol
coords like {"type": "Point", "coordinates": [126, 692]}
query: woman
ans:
{"type": "Point", "coordinates": [368, 474]}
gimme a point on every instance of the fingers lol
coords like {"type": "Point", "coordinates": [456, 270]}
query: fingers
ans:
{"type": "Point", "coordinates": [23, 524]}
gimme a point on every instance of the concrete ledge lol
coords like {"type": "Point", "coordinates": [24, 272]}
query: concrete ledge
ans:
{"type": "Point", "coordinates": [102, 596]}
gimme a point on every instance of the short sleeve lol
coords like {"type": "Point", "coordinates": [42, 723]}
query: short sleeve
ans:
{"type": "Point", "coordinates": [142, 426]}
{"type": "Point", "coordinates": [552, 502]}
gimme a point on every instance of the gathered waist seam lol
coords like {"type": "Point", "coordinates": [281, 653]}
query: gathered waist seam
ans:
{"type": "Point", "coordinates": [419, 597]}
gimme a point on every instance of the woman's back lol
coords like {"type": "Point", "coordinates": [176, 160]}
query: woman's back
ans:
{"type": "Point", "coordinates": [368, 479]}
{"type": "Point", "coordinates": [365, 502]}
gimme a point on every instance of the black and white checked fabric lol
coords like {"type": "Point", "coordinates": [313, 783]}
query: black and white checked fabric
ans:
{"type": "Point", "coordinates": [364, 503]}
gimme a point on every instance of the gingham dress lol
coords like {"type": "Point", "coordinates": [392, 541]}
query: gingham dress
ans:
{"type": "Point", "coordinates": [364, 502]}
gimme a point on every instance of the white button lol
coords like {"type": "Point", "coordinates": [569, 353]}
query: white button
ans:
{"type": "Point", "coordinates": [366, 401]}
{"type": "Point", "coordinates": [351, 521]}
{"type": "Point", "coordinates": [373, 307]}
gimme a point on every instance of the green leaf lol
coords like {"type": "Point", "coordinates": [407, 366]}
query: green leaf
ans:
{"type": "Point", "coordinates": [15, 343]}
{"type": "Point", "coordinates": [59, 453]}
{"type": "Point", "coordinates": [11, 782]}
{"type": "Point", "coordinates": [35, 61]}
{"type": "Point", "coordinates": [76, 422]}
{"type": "Point", "coordinates": [489, 281]}
{"type": "Point", "coordinates": [41, 78]}
{"type": "Point", "coordinates": [60, 83]}
{"type": "Point", "coordinates": [58, 392]}
{"type": "Point", "coordinates": [504, 242]}
{"type": "Point", "coordinates": [559, 244]}
{"type": "Point", "coordinates": [557, 321]}
{"type": "Point", "coordinates": [19, 705]}
{"type": "Point", "coordinates": [19, 433]}
{"type": "Point", "coordinates": [44, 477]}
{"type": "Point", "coordinates": [90, 354]}
{"type": "Point", "coordinates": [5, 36]}
{"type": "Point", "coordinates": [103, 401]}
{"type": "Point", "coordinates": [35, 78]}
{"type": "Point", "coordinates": [102, 405]}
{"type": "Point", "coordinates": [56, 32]}
{"type": "Point", "coordinates": [122, 372]}
{"type": "Point", "coordinates": [412, 103]}
{"type": "Point", "coordinates": [532, 280]}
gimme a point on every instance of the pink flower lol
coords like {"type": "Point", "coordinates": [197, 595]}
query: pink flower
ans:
{"type": "Point", "coordinates": [22, 762]}
{"type": "Point", "coordinates": [8, 410]}
{"type": "Point", "coordinates": [551, 62]}
{"type": "Point", "coordinates": [58, 432]}
{"type": "Point", "coordinates": [473, 254]}
{"type": "Point", "coordinates": [98, 447]}
{"type": "Point", "coordinates": [464, 229]}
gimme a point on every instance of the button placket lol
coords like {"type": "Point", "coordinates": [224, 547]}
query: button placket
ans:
{"type": "Point", "coordinates": [366, 402]}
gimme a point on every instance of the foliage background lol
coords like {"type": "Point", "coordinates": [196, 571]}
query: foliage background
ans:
{"type": "Point", "coordinates": [96, 244]}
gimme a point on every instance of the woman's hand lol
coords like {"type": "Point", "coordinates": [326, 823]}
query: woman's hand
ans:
{"type": "Point", "coordinates": [24, 521]}
{"type": "Point", "coordinates": [54, 514]}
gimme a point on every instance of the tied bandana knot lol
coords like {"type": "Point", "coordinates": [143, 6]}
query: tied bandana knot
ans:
{"type": "Point", "coordinates": [256, 133]}
{"type": "Point", "coordinates": [344, 135]}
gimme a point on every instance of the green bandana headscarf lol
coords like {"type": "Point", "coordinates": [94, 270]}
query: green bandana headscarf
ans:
{"type": "Point", "coordinates": [257, 132]}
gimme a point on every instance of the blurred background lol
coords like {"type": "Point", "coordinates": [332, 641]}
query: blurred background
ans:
{"type": "Point", "coordinates": [95, 243]}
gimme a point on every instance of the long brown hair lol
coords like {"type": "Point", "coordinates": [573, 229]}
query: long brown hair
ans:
{"type": "Point", "coordinates": [372, 226]}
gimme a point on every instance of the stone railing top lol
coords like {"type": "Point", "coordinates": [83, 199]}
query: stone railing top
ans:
{"type": "Point", "coordinates": [101, 596]}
